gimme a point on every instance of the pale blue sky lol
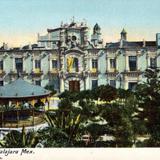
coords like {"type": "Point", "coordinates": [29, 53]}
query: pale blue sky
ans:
{"type": "Point", "coordinates": [21, 20]}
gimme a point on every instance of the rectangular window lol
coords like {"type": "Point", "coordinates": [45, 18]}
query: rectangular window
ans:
{"type": "Point", "coordinates": [94, 84]}
{"type": "Point", "coordinates": [37, 64]}
{"type": "Point", "coordinates": [112, 63]}
{"type": "Point", "coordinates": [153, 63]}
{"type": "Point", "coordinates": [132, 63]}
{"type": "Point", "coordinates": [19, 64]}
{"type": "Point", "coordinates": [1, 83]}
{"type": "Point", "coordinates": [94, 63]}
{"type": "Point", "coordinates": [38, 82]}
{"type": "Point", "coordinates": [54, 64]}
{"type": "Point", "coordinates": [1, 64]}
{"type": "Point", "coordinates": [113, 83]}
{"type": "Point", "coordinates": [132, 85]}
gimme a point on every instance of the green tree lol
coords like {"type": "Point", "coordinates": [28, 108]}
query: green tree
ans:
{"type": "Point", "coordinates": [118, 119]}
{"type": "Point", "coordinates": [23, 139]}
{"type": "Point", "coordinates": [95, 131]}
{"type": "Point", "coordinates": [105, 93]}
{"type": "Point", "coordinates": [148, 95]}
{"type": "Point", "coordinates": [53, 137]}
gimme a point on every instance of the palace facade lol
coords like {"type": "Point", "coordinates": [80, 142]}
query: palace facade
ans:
{"type": "Point", "coordinates": [68, 58]}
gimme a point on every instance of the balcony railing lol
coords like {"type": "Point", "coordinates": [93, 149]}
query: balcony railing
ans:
{"type": "Point", "coordinates": [76, 74]}
{"type": "Point", "coordinates": [24, 73]}
{"type": "Point", "coordinates": [134, 73]}
{"type": "Point", "coordinates": [2, 72]}
{"type": "Point", "coordinates": [16, 72]}
{"type": "Point", "coordinates": [53, 71]}
{"type": "Point", "coordinates": [36, 72]}
{"type": "Point", "coordinates": [112, 73]}
{"type": "Point", "coordinates": [13, 72]}
{"type": "Point", "coordinates": [94, 72]}
{"type": "Point", "coordinates": [72, 70]}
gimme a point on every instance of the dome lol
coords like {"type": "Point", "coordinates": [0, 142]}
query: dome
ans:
{"type": "Point", "coordinates": [22, 89]}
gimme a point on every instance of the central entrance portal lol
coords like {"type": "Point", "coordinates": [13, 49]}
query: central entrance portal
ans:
{"type": "Point", "coordinates": [74, 85]}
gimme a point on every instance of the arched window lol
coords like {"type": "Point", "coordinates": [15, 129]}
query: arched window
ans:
{"type": "Point", "coordinates": [72, 64]}
{"type": "Point", "coordinates": [75, 64]}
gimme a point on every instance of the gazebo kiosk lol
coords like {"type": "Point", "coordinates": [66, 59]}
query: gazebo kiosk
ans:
{"type": "Point", "coordinates": [21, 103]}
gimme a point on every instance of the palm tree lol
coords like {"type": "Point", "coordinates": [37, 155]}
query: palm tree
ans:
{"type": "Point", "coordinates": [23, 139]}
{"type": "Point", "coordinates": [75, 110]}
{"type": "Point", "coordinates": [62, 129]}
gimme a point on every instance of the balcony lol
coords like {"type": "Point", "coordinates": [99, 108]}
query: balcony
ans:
{"type": "Point", "coordinates": [72, 70]}
{"type": "Point", "coordinates": [53, 72]}
{"type": "Point", "coordinates": [2, 73]}
{"type": "Point", "coordinates": [131, 73]}
{"type": "Point", "coordinates": [24, 73]}
{"type": "Point", "coordinates": [94, 72]}
{"type": "Point", "coordinates": [112, 72]}
{"type": "Point", "coordinates": [15, 73]}
{"type": "Point", "coordinates": [37, 72]}
{"type": "Point", "coordinates": [76, 74]}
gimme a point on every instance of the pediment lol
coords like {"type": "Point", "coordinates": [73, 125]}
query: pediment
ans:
{"type": "Point", "coordinates": [74, 51]}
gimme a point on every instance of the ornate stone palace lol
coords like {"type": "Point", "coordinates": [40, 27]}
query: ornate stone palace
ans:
{"type": "Point", "coordinates": [68, 58]}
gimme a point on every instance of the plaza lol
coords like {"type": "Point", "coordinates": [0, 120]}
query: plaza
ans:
{"type": "Point", "coordinates": [93, 80]}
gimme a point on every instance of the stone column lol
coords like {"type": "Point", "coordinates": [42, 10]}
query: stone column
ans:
{"type": "Point", "coordinates": [147, 60]}
{"type": "Point", "coordinates": [61, 85]}
{"type": "Point", "coordinates": [125, 84]}
{"type": "Point", "coordinates": [49, 62]}
{"type": "Point", "coordinates": [13, 66]}
{"type": "Point", "coordinates": [117, 69]}
{"type": "Point", "coordinates": [80, 61]}
{"type": "Point", "coordinates": [33, 63]}
{"type": "Point", "coordinates": [62, 67]}
{"type": "Point", "coordinates": [127, 63]}
{"type": "Point", "coordinates": [4, 68]}
{"type": "Point", "coordinates": [90, 63]}
{"type": "Point", "coordinates": [138, 60]}
{"type": "Point", "coordinates": [23, 60]}
{"type": "Point", "coordinates": [108, 64]}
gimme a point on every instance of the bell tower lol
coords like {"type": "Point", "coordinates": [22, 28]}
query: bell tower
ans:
{"type": "Point", "coordinates": [96, 36]}
{"type": "Point", "coordinates": [123, 35]}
